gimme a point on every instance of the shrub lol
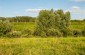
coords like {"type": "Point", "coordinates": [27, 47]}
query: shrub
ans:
{"type": "Point", "coordinates": [77, 33]}
{"type": "Point", "coordinates": [70, 32]}
{"type": "Point", "coordinates": [5, 27]}
{"type": "Point", "coordinates": [43, 34]}
{"type": "Point", "coordinates": [38, 32]}
{"type": "Point", "coordinates": [14, 34]}
{"type": "Point", "coordinates": [83, 32]}
{"type": "Point", "coordinates": [26, 33]}
{"type": "Point", "coordinates": [54, 32]}
{"type": "Point", "coordinates": [66, 32]}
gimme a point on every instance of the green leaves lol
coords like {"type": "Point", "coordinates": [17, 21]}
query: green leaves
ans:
{"type": "Point", "coordinates": [5, 27]}
{"type": "Point", "coordinates": [50, 22]}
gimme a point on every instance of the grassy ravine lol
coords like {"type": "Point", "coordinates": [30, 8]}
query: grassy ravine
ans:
{"type": "Point", "coordinates": [42, 46]}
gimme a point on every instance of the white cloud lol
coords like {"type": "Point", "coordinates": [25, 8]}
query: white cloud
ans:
{"type": "Point", "coordinates": [33, 10]}
{"type": "Point", "coordinates": [36, 10]}
{"type": "Point", "coordinates": [75, 7]}
{"type": "Point", "coordinates": [76, 10]}
{"type": "Point", "coordinates": [79, 0]}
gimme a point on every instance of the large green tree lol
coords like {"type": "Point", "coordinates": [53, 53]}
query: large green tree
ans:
{"type": "Point", "coordinates": [54, 23]}
{"type": "Point", "coordinates": [44, 22]}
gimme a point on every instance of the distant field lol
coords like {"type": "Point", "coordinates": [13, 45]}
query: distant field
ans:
{"type": "Point", "coordinates": [23, 25]}
{"type": "Point", "coordinates": [42, 46]}
{"type": "Point", "coordinates": [78, 25]}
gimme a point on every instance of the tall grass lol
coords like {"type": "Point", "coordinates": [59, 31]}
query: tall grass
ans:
{"type": "Point", "coordinates": [42, 46]}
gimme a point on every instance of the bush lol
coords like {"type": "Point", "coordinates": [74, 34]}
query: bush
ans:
{"type": "Point", "coordinates": [26, 33]}
{"type": "Point", "coordinates": [5, 27]}
{"type": "Point", "coordinates": [54, 32]}
{"type": "Point", "coordinates": [66, 32]}
{"type": "Point", "coordinates": [77, 33]}
{"type": "Point", "coordinates": [83, 32]}
{"type": "Point", "coordinates": [14, 34]}
{"type": "Point", "coordinates": [38, 32]}
{"type": "Point", "coordinates": [17, 34]}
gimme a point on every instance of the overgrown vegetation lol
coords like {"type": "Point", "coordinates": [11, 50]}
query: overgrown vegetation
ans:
{"type": "Point", "coordinates": [5, 27]}
{"type": "Point", "coordinates": [19, 33]}
{"type": "Point", "coordinates": [42, 46]}
{"type": "Point", "coordinates": [49, 23]}
{"type": "Point", "coordinates": [52, 22]}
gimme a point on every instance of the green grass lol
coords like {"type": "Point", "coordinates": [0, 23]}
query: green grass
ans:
{"type": "Point", "coordinates": [42, 46]}
{"type": "Point", "coordinates": [77, 25]}
{"type": "Point", "coordinates": [23, 25]}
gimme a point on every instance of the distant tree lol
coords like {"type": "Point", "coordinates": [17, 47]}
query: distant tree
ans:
{"type": "Point", "coordinates": [83, 19]}
{"type": "Point", "coordinates": [52, 10]}
{"type": "Point", "coordinates": [19, 19]}
{"type": "Point", "coordinates": [2, 18]}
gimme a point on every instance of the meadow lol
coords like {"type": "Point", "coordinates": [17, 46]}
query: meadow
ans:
{"type": "Point", "coordinates": [23, 25]}
{"type": "Point", "coordinates": [77, 25]}
{"type": "Point", "coordinates": [42, 46]}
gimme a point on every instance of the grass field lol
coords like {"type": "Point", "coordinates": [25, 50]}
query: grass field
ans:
{"type": "Point", "coordinates": [42, 46]}
{"type": "Point", "coordinates": [23, 25]}
{"type": "Point", "coordinates": [78, 25]}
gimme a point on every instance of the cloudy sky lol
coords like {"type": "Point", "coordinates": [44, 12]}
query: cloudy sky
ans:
{"type": "Point", "coordinates": [9, 8]}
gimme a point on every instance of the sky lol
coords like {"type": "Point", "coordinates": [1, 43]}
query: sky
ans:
{"type": "Point", "coordinates": [11, 8]}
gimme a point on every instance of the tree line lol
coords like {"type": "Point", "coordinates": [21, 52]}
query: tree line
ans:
{"type": "Point", "coordinates": [28, 19]}
{"type": "Point", "coordinates": [19, 19]}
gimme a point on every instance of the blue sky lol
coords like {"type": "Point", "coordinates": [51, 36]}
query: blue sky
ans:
{"type": "Point", "coordinates": [9, 8]}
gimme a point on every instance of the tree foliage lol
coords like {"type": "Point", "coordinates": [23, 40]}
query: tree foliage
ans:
{"type": "Point", "coordinates": [52, 23]}
{"type": "Point", "coordinates": [5, 27]}
{"type": "Point", "coordinates": [19, 19]}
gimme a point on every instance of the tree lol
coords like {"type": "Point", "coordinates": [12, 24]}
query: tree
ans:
{"type": "Point", "coordinates": [57, 20]}
{"type": "Point", "coordinates": [52, 22]}
{"type": "Point", "coordinates": [67, 18]}
{"type": "Point", "coordinates": [44, 22]}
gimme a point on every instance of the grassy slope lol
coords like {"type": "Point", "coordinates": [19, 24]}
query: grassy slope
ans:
{"type": "Point", "coordinates": [42, 46]}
